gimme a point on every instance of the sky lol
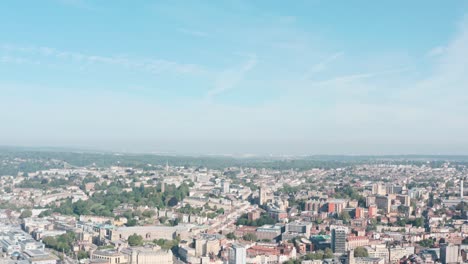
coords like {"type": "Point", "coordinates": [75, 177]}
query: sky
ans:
{"type": "Point", "coordinates": [236, 77]}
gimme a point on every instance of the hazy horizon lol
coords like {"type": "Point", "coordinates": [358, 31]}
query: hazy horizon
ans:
{"type": "Point", "coordinates": [236, 77]}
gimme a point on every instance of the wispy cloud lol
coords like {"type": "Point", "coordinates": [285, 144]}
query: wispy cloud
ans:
{"type": "Point", "coordinates": [17, 60]}
{"type": "Point", "coordinates": [151, 65]}
{"type": "Point", "coordinates": [228, 79]}
{"type": "Point", "coordinates": [437, 51]}
{"type": "Point", "coordinates": [192, 32]}
{"type": "Point", "coordinates": [344, 79]}
{"type": "Point", "coordinates": [321, 66]}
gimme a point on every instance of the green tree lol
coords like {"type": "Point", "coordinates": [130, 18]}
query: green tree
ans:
{"type": "Point", "coordinates": [231, 236]}
{"type": "Point", "coordinates": [426, 243]}
{"type": "Point", "coordinates": [361, 252]}
{"type": "Point", "coordinates": [131, 222]}
{"type": "Point", "coordinates": [135, 240]}
{"type": "Point", "coordinates": [82, 254]}
{"type": "Point", "coordinates": [345, 217]}
{"type": "Point", "coordinates": [328, 253]}
{"type": "Point", "coordinates": [250, 237]}
{"type": "Point", "coordinates": [26, 213]}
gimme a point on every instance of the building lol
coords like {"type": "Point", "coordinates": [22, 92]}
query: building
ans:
{"type": "Point", "coordinates": [313, 206]}
{"type": "Point", "coordinates": [378, 251]}
{"type": "Point", "coordinates": [268, 232]}
{"type": "Point", "coordinates": [369, 261]}
{"type": "Point", "coordinates": [262, 196]}
{"type": "Point", "coordinates": [237, 254]}
{"type": "Point", "coordinates": [336, 205]}
{"type": "Point", "coordinates": [357, 241]}
{"type": "Point", "coordinates": [338, 240]}
{"type": "Point", "coordinates": [207, 244]}
{"type": "Point", "coordinates": [254, 215]}
{"type": "Point", "coordinates": [301, 228]}
{"type": "Point", "coordinates": [359, 213]}
{"type": "Point", "coordinates": [372, 212]}
{"type": "Point", "coordinates": [378, 189]}
{"type": "Point", "coordinates": [111, 256]}
{"type": "Point", "coordinates": [449, 254]}
{"type": "Point", "coordinates": [350, 258]}
{"type": "Point", "coordinates": [404, 199]}
{"type": "Point", "coordinates": [148, 255]}
{"type": "Point", "coordinates": [226, 188]}
{"type": "Point", "coordinates": [397, 253]}
{"type": "Point", "coordinates": [36, 256]}
{"type": "Point", "coordinates": [384, 203]}
{"type": "Point", "coordinates": [150, 233]}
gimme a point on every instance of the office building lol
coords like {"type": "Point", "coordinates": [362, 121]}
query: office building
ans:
{"type": "Point", "coordinates": [237, 254]}
{"type": "Point", "coordinates": [449, 254]}
{"type": "Point", "coordinates": [338, 240]}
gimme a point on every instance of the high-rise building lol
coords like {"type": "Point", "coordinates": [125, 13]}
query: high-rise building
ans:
{"type": "Point", "coordinates": [404, 199]}
{"type": "Point", "coordinates": [359, 213]}
{"type": "Point", "coordinates": [461, 189]}
{"type": "Point", "coordinates": [351, 259]}
{"type": "Point", "coordinates": [237, 254]}
{"type": "Point", "coordinates": [338, 240]}
{"type": "Point", "coordinates": [384, 203]}
{"type": "Point", "coordinates": [226, 188]}
{"type": "Point", "coordinates": [262, 196]}
{"type": "Point", "coordinates": [449, 254]}
{"type": "Point", "coordinates": [379, 189]}
{"type": "Point", "coordinates": [372, 211]}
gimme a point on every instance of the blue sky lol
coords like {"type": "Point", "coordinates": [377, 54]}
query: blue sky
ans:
{"type": "Point", "coordinates": [303, 77]}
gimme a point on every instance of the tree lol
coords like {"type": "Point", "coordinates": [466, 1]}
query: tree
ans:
{"type": "Point", "coordinates": [148, 213]}
{"type": "Point", "coordinates": [360, 252]}
{"type": "Point", "coordinates": [419, 222]}
{"type": "Point", "coordinates": [328, 253]}
{"type": "Point", "coordinates": [317, 255]}
{"type": "Point", "coordinates": [45, 213]}
{"type": "Point", "coordinates": [250, 237]}
{"type": "Point", "coordinates": [173, 202]}
{"type": "Point", "coordinates": [231, 236]}
{"type": "Point", "coordinates": [131, 222]}
{"type": "Point", "coordinates": [465, 241]}
{"type": "Point", "coordinates": [426, 243]}
{"type": "Point", "coordinates": [345, 217]}
{"type": "Point", "coordinates": [82, 255]}
{"type": "Point", "coordinates": [26, 213]}
{"type": "Point", "coordinates": [60, 243]}
{"type": "Point", "coordinates": [135, 240]}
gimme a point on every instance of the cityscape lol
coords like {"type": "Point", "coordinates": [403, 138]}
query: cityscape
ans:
{"type": "Point", "coordinates": [233, 132]}
{"type": "Point", "coordinates": [369, 210]}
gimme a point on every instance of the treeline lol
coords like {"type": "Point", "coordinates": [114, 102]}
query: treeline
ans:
{"type": "Point", "coordinates": [264, 219]}
{"type": "Point", "coordinates": [44, 183]}
{"type": "Point", "coordinates": [103, 203]}
{"type": "Point", "coordinates": [40, 160]}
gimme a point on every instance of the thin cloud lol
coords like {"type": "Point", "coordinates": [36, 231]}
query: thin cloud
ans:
{"type": "Point", "coordinates": [321, 66]}
{"type": "Point", "coordinates": [228, 79]}
{"type": "Point", "coordinates": [358, 76]}
{"type": "Point", "coordinates": [151, 65]}
{"type": "Point", "coordinates": [17, 60]}
{"type": "Point", "coordinates": [437, 51]}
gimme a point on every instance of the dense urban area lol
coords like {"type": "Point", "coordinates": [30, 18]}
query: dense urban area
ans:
{"type": "Point", "coordinates": [71, 207]}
